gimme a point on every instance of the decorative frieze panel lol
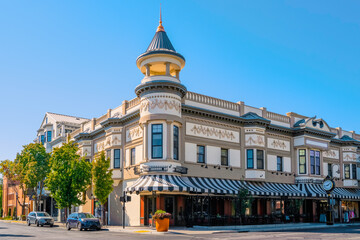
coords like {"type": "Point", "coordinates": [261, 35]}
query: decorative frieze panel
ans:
{"type": "Point", "coordinates": [349, 149]}
{"type": "Point", "coordinates": [331, 153]}
{"type": "Point", "coordinates": [204, 131]}
{"type": "Point", "coordinates": [316, 143]}
{"type": "Point", "coordinates": [349, 157]}
{"type": "Point", "coordinates": [255, 130]}
{"type": "Point", "coordinates": [254, 140]}
{"type": "Point", "coordinates": [278, 144]}
{"type": "Point", "coordinates": [86, 151]}
{"type": "Point", "coordinates": [99, 146]}
{"type": "Point", "coordinates": [160, 104]}
{"type": "Point", "coordinates": [134, 133]}
{"type": "Point", "coordinates": [113, 140]}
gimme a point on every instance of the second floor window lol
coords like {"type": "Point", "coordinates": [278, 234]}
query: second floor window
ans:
{"type": "Point", "coordinates": [176, 142]}
{"type": "Point", "coordinates": [42, 137]}
{"type": "Point", "coordinates": [250, 158]}
{"type": "Point", "coordinates": [279, 164]}
{"type": "Point", "coordinates": [132, 156]}
{"type": "Point", "coordinates": [330, 173]}
{"type": "Point", "coordinates": [224, 157]}
{"type": "Point", "coordinates": [157, 141]}
{"type": "Point", "coordinates": [48, 137]}
{"type": "Point", "coordinates": [315, 162]}
{"type": "Point", "coordinates": [353, 169]}
{"type": "Point", "coordinates": [116, 158]}
{"type": "Point", "coordinates": [200, 154]}
{"type": "Point", "coordinates": [259, 159]}
{"type": "Point", "coordinates": [302, 161]}
{"type": "Point", "coordinates": [347, 171]}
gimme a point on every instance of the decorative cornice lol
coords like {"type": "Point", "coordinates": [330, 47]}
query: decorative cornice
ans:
{"type": "Point", "coordinates": [161, 85]}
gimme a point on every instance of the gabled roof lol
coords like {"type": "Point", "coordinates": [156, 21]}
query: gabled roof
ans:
{"type": "Point", "coordinates": [347, 138]}
{"type": "Point", "coordinates": [252, 115]}
{"type": "Point", "coordinates": [56, 117]}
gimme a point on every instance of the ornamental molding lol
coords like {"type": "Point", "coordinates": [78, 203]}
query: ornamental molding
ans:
{"type": "Point", "coordinates": [349, 149]}
{"type": "Point", "coordinates": [278, 144]}
{"type": "Point", "coordinates": [331, 153]}
{"type": "Point", "coordinates": [212, 132]}
{"type": "Point", "coordinates": [254, 140]}
{"type": "Point", "coordinates": [255, 130]}
{"type": "Point", "coordinates": [207, 122]}
{"type": "Point", "coordinates": [134, 133]}
{"type": "Point", "coordinates": [147, 105]}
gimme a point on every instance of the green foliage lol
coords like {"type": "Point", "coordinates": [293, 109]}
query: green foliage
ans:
{"type": "Point", "coordinates": [243, 201]}
{"type": "Point", "coordinates": [9, 212]}
{"type": "Point", "coordinates": [32, 166]}
{"type": "Point", "coordinates": [102, 178]}
{"type": "Point", "coordinates": [69, 176]}
{"type": "Point", "coordinates": [7, 169]}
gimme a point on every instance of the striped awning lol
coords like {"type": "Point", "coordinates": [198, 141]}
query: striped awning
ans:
{"type": "Point", "coordinates": [316, 190]}
{"type": "Point", "coordinates": [227, 186]}
{"type": "Point", "coordinates": [161, 183]}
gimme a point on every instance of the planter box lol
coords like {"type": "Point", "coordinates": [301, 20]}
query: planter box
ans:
{"type": "Point", "coordinates": [162, 225]}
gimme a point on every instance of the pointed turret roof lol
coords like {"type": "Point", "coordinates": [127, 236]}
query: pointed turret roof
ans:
{"type": "Point", "coordinates": [160, 44]}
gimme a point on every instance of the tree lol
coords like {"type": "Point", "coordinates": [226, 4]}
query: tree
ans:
{"type": "Point", "coordinates": [69, 176]}
{"type": "Point", "coordinates": [14, 172]}
{"type": "Point", "coordinates": [243, 201]}
{"type": "Point", "coordinates": [34, 160]}
{"type": "Point", "coordinates": [102, 179]}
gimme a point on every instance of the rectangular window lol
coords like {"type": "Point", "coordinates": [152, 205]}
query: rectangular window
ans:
{"type": "Point", "coordinates": [116, 158]}
{"type": "Point", "coordinates": [259, 159]}
{"type": "Point", "coordinates": [108, 154]}
{"type": "Point", "coordinates": [200, 154]}
{"type": "Point", "coordinates": [312, 161]}
{"type": "Point", "coordinates": [347, 171]}
{"type": "Point", "coordinates": [302, 161]}
{"type": "Point", "coordinates": [279, 164]}
{"type": "Point", "coordinates": [317, 162]}
{"type": "Point", "coordinates": [353, 169]}
{"type": "Point", "coordinates": [330, 174]}
{"type": "Point", "coordinates": [176, 142]}
{"type": "Point", "coordinates": [42, 139]}
{"type": "Point", "coordinates": [49, 136]}
{"type": "Point", "coordinates": [250, 158]}
{"type": "Point", "coordinates": [224, 157]}
{"type": "Point", "coordinates": [157, 141]}
{"type": "Point", "coordinates": [132, 156]}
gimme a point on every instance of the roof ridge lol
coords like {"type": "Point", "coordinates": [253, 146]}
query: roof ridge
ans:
{"type": "Point", "coordinates": [67, 115]}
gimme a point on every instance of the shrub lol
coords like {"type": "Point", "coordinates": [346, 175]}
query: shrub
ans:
{"type": "Point", "coordinates": [23, 217]}
{"type": "Point", "coordinates": [161, 214]}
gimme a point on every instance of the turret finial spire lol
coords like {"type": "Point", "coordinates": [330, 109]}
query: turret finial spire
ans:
{"type": "Point", "coordinates": [160, 27]}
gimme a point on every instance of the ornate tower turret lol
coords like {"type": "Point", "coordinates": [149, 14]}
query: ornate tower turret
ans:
{"type": "Point", "coordinates": [161, 93]}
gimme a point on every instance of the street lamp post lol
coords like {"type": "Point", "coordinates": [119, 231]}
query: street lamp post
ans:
{"type": "Point", "coordinates": [329, 186]}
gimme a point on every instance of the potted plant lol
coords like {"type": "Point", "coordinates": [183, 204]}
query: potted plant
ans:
{"type": "Point", "coordinates": [162, 220]}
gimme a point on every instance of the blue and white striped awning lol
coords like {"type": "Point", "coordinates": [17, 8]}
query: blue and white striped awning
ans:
{"type": "Point", "coordinates": [227, 186]}
{"type": "Point", "coordinates": [317, 191]}
{"type": "Point", "coordinates": [171, 183]}
{"type": "Point", "coordinates": [149, 183]}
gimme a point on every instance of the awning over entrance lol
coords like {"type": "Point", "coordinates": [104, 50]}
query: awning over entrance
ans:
{"type": "Point", "coordinates": [227, 186]}
{"type": "Point", "coordinates": [316, 190]}
{"type": "Point", "coordinates": [161, 183]}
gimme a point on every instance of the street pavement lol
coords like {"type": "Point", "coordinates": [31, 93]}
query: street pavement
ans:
{"type": "Point", "coordinates": [21, 231]}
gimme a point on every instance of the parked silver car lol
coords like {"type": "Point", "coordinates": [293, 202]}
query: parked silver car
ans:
{"type": "Point", "coordinates": [39, 219]}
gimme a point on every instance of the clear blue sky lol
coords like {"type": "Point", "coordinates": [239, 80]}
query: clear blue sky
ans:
{"type": "Point", "coordinates": [78, 57]}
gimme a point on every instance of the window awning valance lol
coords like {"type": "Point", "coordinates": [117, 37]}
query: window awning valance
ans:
{"type": "Point", "coordinates": [317, 191]}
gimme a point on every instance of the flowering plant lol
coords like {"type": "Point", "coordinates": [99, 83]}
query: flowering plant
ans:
{"type": "Point", "coordinates": [161, 214]}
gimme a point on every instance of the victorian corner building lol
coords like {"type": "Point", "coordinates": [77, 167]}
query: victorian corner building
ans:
{"type": "Point", "coordinates": [190, 154]}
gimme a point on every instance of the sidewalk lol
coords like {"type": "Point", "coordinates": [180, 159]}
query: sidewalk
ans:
{"type": "Point", "coordinates": [224, 229]}
{"type": "Point", "coordinates": [196, 230]}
